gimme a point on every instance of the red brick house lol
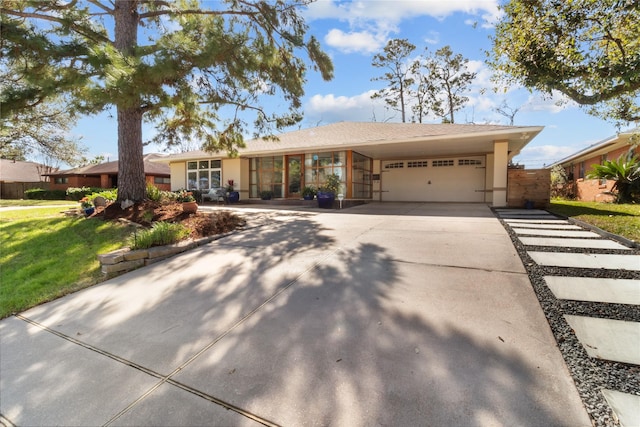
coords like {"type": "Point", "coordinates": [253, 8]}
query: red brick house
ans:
{"type": "Point", "coordinates": [578, 165]}
{"type": "Point", "coordinates": [105, 175]}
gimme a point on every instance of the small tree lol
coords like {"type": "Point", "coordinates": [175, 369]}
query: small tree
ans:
{"type": "Point", "coordinates": [625, 171]}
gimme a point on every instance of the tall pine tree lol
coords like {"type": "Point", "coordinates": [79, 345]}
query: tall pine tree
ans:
{"type": "Point", "coordinates": [193, 70]}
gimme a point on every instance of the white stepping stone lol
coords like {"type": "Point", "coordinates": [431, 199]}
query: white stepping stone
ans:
{"type": "Point", "coordinates": [555, 233]}
{"type": "Point", "coordinates": [606, 261]}
{"type": "Point", "coordinates": [572, 243]}
{"type": "Point", "coordinates": [615, 291]}
{"type": "Point", "coordinates": [530, 217]}
{"type": "Point", "coordinates": [608, 339]}
{"type": "Point", "coordinates": [547, 226]}
{"type": "Point", "coordinates": [522, 212]}
{"type": "Point", "coordinates": [625, 405]}
{"type": "Point", "coordinates": [536, 221]}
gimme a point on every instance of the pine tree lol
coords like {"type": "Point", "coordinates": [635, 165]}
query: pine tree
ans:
{"type": "Point", "coordinates": [195, 71]}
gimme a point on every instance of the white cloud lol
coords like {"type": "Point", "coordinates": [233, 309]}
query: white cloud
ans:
{"type": "Point", "coordinates": [432, 38]}
{"type": "Point", "coordinates": [541, 155]}
{"type": "Point", "coordinates": [555, 103]}
{"type": "Point", "coordinates": [372, 22]}
{"type": "Point", "coordinates": [330, 108]}
{"type": "Point", "coordinates": [396, 11]}
{"type": "Point", "coordinates": [362, 41]}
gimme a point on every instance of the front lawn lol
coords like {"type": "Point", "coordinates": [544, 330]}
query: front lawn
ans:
{"type": "Point", "coordinates": [45, 255]}
{"type": "Point", "coordinates": [620, 219]}
{"type": "Point", "coordinates": [34, 202]}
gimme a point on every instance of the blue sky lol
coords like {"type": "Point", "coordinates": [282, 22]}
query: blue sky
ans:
{"type": "Point", "coordinates": [352, 32]}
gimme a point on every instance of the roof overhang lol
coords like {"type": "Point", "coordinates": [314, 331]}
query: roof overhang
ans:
{"type": "Point", "coordinates": [433, 146]}
{"type": "Point", "coordinates": [477, 141]}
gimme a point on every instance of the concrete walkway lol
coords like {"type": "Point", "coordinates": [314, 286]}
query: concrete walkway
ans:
{"type": "Point", "coordinates": [382, 314]}
{"type": "Point", "coordinates": [602, 338]}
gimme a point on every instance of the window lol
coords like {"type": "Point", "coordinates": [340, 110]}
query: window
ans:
{"type": "Point", "coordinates": [581, 170]}
{"type": "Point", "coordinates": [204, 174]}
{"type": "Point", "coordinates": [161, 180]}
{"type": "Point", "coordinates": [61, 180]}
{"type": "Point", "coordinates": [395, 165]}
{"type": "Point", "coordinates": [317, 166]}
{"type": "Point", "coordinates": [266, 174]}
{"type": "Point", "coordinates": [469, 162]}
{"type": "Point", "coordinates": [360, 176]}
{"type": "Point", "coordinates": [418, 164]}
{"type": "Point", "coordinates": [441, 163]}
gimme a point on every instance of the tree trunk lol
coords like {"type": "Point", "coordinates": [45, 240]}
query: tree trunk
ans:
{"type": "Point", "coordinates": [131, 179]}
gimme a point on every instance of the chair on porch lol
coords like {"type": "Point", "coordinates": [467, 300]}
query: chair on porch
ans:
{"type": "Point", "coordinates": [215, 194]}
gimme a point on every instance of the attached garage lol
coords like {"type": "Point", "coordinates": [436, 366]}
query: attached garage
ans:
{"type": "Point", "coordinates": [451, 179]}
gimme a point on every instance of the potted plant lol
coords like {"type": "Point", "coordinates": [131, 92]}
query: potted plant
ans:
{"type": "Point", "coordinates": [327, 191]}
{"type": "Point", "coordinates": [266, 194]}
{"type": "Point", "coordinates": [232, 196]}
{"type": "Point", "coordinates": [308, 192]}
{"type": "Point", "coordinates": [87, 206]}
{"type": "Point", "coordinates": [189, 204]}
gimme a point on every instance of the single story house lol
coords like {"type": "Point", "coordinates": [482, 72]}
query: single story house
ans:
{"type": "Point", "coordinates": [578, 165]}
{"type": "Point", "coordinates": [105, 175]}
{"type": "Point", "coordinates": [16, 177]}
{"type": "Point", "coordinates": [375, 162]}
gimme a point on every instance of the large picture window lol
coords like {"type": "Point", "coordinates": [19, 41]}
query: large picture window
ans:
{"type": "Point", "coordinates": [318, 166]}
{"type": "Point", "coordinates": [267, 174]}
{"type": "Point", "coordinates": [204, 174]}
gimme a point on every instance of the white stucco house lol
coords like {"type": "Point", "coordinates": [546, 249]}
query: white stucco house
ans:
{"type": "Point", "coordinates": [375, 162]}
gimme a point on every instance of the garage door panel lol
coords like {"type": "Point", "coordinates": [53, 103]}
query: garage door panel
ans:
{"type": "Point", "coordinates": [435, 180]}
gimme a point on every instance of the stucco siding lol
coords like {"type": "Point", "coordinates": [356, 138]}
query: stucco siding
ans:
{"type": "Point", "coordinates": [178, 175]}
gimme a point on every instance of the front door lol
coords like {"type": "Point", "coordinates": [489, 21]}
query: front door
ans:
{"type": "Point", "coordinates": [294, 176]}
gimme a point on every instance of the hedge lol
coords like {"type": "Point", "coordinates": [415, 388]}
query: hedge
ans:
{"type": "Point", "coordinates": [42, 194]}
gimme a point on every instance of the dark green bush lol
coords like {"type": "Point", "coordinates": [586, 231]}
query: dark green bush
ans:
{"type": "Point", "coordinates": [42, 194]}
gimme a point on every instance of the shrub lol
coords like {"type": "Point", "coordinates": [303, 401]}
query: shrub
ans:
{"type": "Point", "coordinates": [78, 193]}
{"type": "Point", "coordinates": [161, 233]}
{"type": "Point", "coordinates": [42, 194]}
{"type": "Point", "coordinates": [153, 193]}
{"type": "Point", "coordinates": [109, 195]}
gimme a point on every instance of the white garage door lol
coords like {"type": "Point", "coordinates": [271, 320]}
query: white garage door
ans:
{"type": "Point", "coordinates": [459, 179]}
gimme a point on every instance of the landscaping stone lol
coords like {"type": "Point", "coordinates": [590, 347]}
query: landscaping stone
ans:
{"type": "Point", "coordinates": [112, 257]}
{"type": "Point", "coordinates": [122, 266]}
{"type": "Point", "coordinates": [137, 254]}
{"type": "Point", "coordinates": [161, 251]}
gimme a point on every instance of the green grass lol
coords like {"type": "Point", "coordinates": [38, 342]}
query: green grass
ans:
{"type": "Point", "coordinates": [29, 202]}
{"type": "Point", "coordinates": [45, 255]}
{"type": "Point", "coordinates": [620, 219]}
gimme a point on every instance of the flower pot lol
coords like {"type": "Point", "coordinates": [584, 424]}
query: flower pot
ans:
{"type": "Point", "coordinates": [325, 200]}
{"type": "Point", "coordinates": [308, 197]}
{"type": "Point", "coordinates": [189, 207]}
{"type": "Point", "coordinates": [89, 211]}
{"type": "Point", "coordinates": [233, 196]}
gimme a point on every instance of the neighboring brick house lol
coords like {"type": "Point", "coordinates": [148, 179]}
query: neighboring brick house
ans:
{"type": "Point", "coordinates": [578, 165]}
{"type": "Point", "coordinates": [17, 176]}
{"type": "Point", "coordinates": [105, 175]}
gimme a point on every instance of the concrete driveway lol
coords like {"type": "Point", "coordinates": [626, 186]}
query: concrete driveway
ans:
{"type": "Point", "coordinates": [382, 314]}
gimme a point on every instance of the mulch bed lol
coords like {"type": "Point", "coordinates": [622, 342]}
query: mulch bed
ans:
{"type": "Point", "coordinates": [201, 224]}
